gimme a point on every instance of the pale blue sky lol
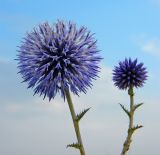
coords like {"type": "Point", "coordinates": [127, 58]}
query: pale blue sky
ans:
{"type": "Point", "coordinates": [127, 28]}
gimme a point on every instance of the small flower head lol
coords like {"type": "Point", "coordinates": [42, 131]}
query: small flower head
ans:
{"type": "Point", "coordinates": [57, 58]}
{"type": "Point", "coordinates": [129, 73]}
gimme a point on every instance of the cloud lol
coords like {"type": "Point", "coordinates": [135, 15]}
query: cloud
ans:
{"type": "Point", "coordinates": [157, 2]}
{"type": "Point", "coordinates": [4, 60]}
{"type": "Point", "coordinates": [152, 46]}
{"type": "Point", "coordinates": [15, 93]}
{"type": "Point", "coordinates": [12, 90]}
{"type": "Point", "coordinates": [19, 95]}
{"type": "Point", "coordinates": [13, 108]}
{"type": "Point", "coordinates": [33, 117]}
{"type": "Point", "coordinates": [31, 125]}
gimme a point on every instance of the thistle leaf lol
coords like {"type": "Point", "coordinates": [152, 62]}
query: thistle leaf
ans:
{"type": "Point", "coordinates": [125, 110]}
{"type": "Point", "coordinates": [137, 105]}
{"type": "Point", "coordinates": [81, 114]}
{"type": "Point", "coordinates": [75, 145]}
{"type": "Point", "coordinates": [136, 127]}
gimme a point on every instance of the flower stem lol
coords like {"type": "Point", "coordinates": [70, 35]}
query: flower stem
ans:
{"type": "Point", "coordinates": [131, 128]}
{"type": "Point", "coordinates": [75, 122]}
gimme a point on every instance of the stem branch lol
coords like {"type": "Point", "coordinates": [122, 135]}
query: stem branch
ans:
{"type": "Point", "coordinates": [76, 123]}
{"type": "Point", "coordinates": [131, 128]}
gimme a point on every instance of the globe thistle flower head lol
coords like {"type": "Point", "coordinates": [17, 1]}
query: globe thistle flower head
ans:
{"type": "Point", "coordinates": [129, 73]}
{"type": "Point", "coordinates": [57, 58]}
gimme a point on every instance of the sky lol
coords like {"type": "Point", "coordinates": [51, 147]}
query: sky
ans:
{"type": "Point", "coordinates": [30, 125]}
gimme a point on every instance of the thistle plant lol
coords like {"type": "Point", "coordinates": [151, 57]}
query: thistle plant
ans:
{"type": "Point", "coordinates": [60, 59]}
{"type": "Point", "coordinates": [129, 75]}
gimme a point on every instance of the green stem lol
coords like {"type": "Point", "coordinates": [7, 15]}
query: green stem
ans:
{"type": "Point", "coordinates": [128, 140]}
{"type": "Point", "coordinates": [76, 123]}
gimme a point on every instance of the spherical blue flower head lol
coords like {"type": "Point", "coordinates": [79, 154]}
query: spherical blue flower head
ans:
{"type": "Point", "coordinates": [129, 73]}
{"type": "Point", "coordinates": [57, 58]}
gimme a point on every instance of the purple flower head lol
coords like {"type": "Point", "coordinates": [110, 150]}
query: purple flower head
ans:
{"type": "Point", "coordinates": [129, 73]}
{"type": "Point", "coordinates": [57, 58]}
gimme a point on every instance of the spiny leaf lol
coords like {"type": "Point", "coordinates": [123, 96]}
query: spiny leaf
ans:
{"type": "Point", "coordinates": [75, 145]}
{"type": "Point", "coordinates": [125, 110]}
{"type": "Point", "coordinates": [137, 105]}
{"type": "Point", "coordinates": [81, 114]}
{"type": "Point", "coordinates": [137, 127]}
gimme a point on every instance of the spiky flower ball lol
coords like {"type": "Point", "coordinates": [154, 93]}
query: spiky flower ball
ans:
{"type": "Point", "coordinates": [57, 58]}
{"type": "Point", "coordinates": [129, 73]}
